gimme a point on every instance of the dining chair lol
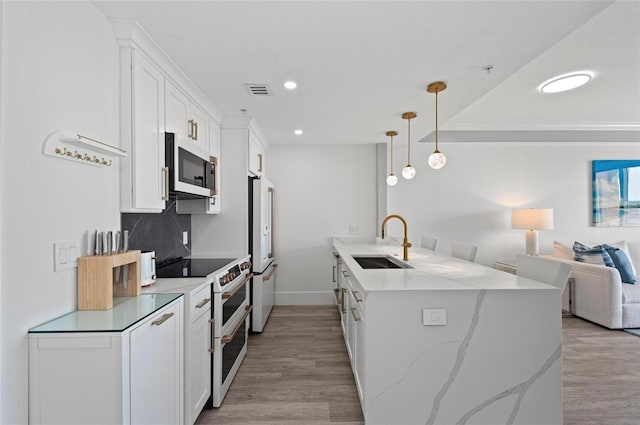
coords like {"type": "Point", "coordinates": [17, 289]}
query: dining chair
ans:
{"type": "Point", "coordinates": [429, 242]}
{"type": "Point", "coordinates": [464, 251]}
{"type": "Point", "coordinates": [544, 270]}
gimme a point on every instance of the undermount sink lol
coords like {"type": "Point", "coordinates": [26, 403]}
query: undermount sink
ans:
{"type": "Point", "coordinates": [380, 262]}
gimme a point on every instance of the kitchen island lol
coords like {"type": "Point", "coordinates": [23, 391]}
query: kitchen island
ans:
{"type": "Point", "coordinates": [448, 341]}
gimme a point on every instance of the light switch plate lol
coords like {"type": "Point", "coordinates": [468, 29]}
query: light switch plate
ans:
{"type": "Point", "coordinates": [434, 316]}
{"type": "Point", "coordinates": [65, 255]}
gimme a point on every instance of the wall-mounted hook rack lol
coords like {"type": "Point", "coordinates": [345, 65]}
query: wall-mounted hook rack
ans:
{"type": "Point", "coordinates": [76, 147]}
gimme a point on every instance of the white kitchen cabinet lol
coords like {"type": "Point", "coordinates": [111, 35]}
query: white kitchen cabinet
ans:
{"type": "Point", "coordinates": [142, 173]}
{"type": "Point", "coordinates": [185, 118]}
{"type": "Point", "coordinates": [354, 326]}
{"type": "Point", "coordinates": [118, 366]}
{"type": "Point", "coordinates": [256, 155]}
{"type": "Point", "coordinates": [197, 339]}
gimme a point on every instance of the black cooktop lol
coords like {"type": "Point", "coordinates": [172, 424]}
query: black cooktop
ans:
{"type": "Point", "coordinates": [190, 267]}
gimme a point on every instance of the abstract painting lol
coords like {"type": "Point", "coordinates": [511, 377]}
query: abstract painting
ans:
{"type": "Point", "coordinates": [616, 193]}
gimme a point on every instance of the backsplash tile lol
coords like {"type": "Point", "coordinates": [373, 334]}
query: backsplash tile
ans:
{"type": "Point", "coordinates": [161, 233]}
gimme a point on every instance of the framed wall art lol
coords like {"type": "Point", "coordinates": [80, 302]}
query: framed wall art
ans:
{"type": "Point", "coordinates": [616, 192]}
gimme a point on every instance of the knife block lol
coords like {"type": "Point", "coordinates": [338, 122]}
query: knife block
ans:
{"type": "Point", "coordinates": [96, 287]}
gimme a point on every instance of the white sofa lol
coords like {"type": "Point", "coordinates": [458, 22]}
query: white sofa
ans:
{"type": "Point", "coordinates": [599, 295]}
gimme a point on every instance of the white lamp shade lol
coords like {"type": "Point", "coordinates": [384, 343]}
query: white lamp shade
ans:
{"type": "Point", "coordinates": [532, 218]}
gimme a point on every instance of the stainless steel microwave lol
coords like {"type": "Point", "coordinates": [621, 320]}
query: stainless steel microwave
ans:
{"type": "Point", "coordinates": [191, 173]}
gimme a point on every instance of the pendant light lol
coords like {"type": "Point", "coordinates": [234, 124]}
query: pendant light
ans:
{"type": "Point", "coordinates": [437, 159]}
{"type": "Point", "coordinates": [391, 178]}
{"type": "Point", "coordinates": [409, 172]}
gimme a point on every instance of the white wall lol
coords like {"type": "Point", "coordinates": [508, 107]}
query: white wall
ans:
{"type": "Point", "coordinates": [471, 198]}
{"type": "Point", "coordinates": [59, 72]}
{"type": "Point", "coordinates": [320, 192]}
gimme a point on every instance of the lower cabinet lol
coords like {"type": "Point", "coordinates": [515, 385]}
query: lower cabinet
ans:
{"type": "Point", "coordinates": [132, 375]}
{"type": "Point", "coordinates": [353, 319]}
{"type": "Point", "coordinates": [198, 356]}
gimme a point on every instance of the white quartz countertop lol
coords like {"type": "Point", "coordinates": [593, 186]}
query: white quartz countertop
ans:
{"type": "Point", "coordinates": [431, 271]}
{"type": "Point", "coordinates": [181, 284]}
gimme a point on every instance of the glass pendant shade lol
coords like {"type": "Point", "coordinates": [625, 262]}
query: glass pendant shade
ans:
{"type": "Point", "coordinates": [408, 172]}
{"type": "Point", "coordinates": [392, 180]}
{"type": "Point", "coordinates": [437, 160]}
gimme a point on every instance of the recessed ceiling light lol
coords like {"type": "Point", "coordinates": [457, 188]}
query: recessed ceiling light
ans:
{"type": "Point", "coordinates": [297, 132]}
{"type": "Point", "coordinates": [290, 85]}
{"type": "Point", "coordinates": [565, 82]}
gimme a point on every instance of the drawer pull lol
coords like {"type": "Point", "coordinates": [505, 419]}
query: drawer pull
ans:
{"type": "Point", "coordinates": [162, 319]}
{"type": "Point", "coordinates": [203, 303]}
{"type": "Point", "coordinates": [344, 293]}
{"type": "Point", "coordinates": [355, 297]}
{"type": "Point", "coordinates": [267, 277]}
{"type": "Point", "coordinates": [228, 295]}
{"type": "Point", "coordinates": [228, 338]}
{"type": "Point", "coordinates": [355, 316]}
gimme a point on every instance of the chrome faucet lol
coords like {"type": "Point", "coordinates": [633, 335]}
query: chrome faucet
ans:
{"type": "Point", "coordinates": [405, 242]}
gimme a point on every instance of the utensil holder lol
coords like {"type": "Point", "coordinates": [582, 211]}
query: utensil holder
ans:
{"type": "Point", "coordinates": [96, 287]}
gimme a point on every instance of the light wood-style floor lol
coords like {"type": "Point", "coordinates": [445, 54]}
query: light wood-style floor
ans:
{"type": "Point", "coordinates": [297, 372]}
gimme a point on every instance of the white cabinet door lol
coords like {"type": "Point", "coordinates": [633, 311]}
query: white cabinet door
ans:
{"type": "Point", "coordinates": [146, 166]}
{"type": "Point", "coordinates": [157, 369]}
{"type": "Point", "coordinates": [256, 155]}
{"type": "Point", "coordinates": [176, 111]}
{"type": "Point", "coordinates": [200, 372]}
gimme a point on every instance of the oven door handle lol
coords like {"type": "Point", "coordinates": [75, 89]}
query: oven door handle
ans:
{"type": "Point", "coordinates": [227, 295]}
{"type": "Point", "coordinates": [228, 338]}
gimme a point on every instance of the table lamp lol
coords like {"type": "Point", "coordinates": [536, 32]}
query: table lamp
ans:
{"type": "Point", "coordinates": [532, 219]}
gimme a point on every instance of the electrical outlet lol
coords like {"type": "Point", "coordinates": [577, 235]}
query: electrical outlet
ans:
{"type": "Point", "coordinates": [353, 230]}
{"type": "Point", "coordinates": [434, 316]}
{"type": "Point", "coordinates": [185, 238]}
{"type": "Point", "coordinates": [65, 255]}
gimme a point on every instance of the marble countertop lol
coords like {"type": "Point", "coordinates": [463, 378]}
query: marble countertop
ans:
{"type": "Point", "coordinates": [431, 271]}
{"type": "Point", "coordinates": [182, 285]}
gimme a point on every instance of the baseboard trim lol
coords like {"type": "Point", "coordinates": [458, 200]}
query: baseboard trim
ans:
{"type": "Point", "coordinates": [305, 298]}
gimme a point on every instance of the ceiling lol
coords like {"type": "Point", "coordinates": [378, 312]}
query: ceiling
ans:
{"type": "Point", "coordinates": [360, 64]}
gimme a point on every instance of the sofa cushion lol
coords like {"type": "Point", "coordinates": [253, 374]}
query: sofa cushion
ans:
{"type": "Point", "coordinates": [622, 263]}
{"type": "Point", "coordinates": [624, 247]}
{"type": "Point", "coordinates": [562, 251]}
{"type": "Point", "coordinates": [630, 293]}
{"type": "Point", "coordinates": [592, 255]}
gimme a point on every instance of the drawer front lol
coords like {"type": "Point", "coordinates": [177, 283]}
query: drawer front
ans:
{"type": "Point", "coordinates": [201, 301]}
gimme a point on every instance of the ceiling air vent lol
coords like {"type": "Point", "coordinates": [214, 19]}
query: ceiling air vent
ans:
{"type": "Point", "coordinates": [258, 89]}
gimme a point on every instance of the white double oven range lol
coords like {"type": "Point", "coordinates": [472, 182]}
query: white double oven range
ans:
{"type": "Point", "coordinates": [229, 279]}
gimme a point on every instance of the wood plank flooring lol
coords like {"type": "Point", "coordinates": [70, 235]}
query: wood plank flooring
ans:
{"type": "Point", "coordinates": [297, 372]}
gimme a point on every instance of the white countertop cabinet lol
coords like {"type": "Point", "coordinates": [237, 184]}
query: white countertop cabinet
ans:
{"type": "Point", "coordinates": [118, 366]}
{"type": "Point", "coordinates": [451, 341]}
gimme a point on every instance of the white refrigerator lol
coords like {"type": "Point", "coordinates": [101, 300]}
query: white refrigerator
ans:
{"type": "Point", "coordinates": [261, 209]}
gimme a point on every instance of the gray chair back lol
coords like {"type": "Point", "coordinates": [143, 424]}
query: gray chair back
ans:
{"type": "Point", "coordinates": [544, 270]}
{"type": "Point", "coordinates": [464, 251]}
{"type": "Point", "coordinates": [429, 242]}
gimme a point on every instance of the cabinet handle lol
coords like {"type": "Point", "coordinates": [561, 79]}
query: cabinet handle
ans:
{"type": "Point", "coordinates": [344, 292]}
{"type": "Point", "coordinates": [228, 338]}
{"type": "Point", "coordinates": [228, 295]}
{"type": "Point", "coordinates": [333, 275]}
{"type": "Point", "coordinates": [165, 194]}
{"type": "Point", "coordinates": [273, 270]}
{"type": "Point", "coordinates": [195, 133]}
{"type": "Point", "coordinates": [355, 297]}
{"type": "Point", "coordinates": [259, 162]}
{"type": "Point", "coordinates": [213, 336]}
{"type": "Point", "coordinates": [203, 303]}
{"type": "Point", "coordinates": [162, 319]}
{"type": "Point", "coordinates": [190, 135]}
{"type": "Point", "coordinates": [338, 300]}
{"type": "Point", "coordinates": [355, 316]}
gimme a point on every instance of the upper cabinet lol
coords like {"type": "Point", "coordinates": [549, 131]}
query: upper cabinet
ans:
{"type": "Point", "coordinates": [156, 97]}
{"type": "Point", "coordinates": [143, 175]}
{"type": "Point", "coordinates": [185, 117]}
{"type": "Point", "coordinates": [256, 155]}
